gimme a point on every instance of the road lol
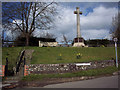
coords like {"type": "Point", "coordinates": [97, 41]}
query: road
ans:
{"type": "Point", "coordinates": [103, 82]}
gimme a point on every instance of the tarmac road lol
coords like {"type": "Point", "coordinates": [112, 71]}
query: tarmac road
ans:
{"type": "Point", "coordinates": [103, 82]}
{"type": "Point", "coordinates": [110, 82]}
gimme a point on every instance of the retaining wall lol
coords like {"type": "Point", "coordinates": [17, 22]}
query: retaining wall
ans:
{"type": "Point", "coordinates": [69, 67]}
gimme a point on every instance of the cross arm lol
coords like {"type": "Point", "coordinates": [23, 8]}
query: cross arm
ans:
{"type": "Point", "coordinates": [75, 12]}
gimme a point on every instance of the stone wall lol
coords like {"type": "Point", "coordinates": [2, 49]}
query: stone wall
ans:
{"type": "Point", "coordinates": [70, 67]}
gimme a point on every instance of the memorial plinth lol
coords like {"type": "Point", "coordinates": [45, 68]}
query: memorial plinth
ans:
{"type": "Point", "coordinates": [78, 42]}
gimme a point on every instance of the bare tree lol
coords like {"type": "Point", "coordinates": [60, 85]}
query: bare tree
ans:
{"type": "Point", "coordinates": [26, 17]}
{"type": "Point", "coordinates": [115, 29]}
{"type": "Point", "coordinates": [66, 40]}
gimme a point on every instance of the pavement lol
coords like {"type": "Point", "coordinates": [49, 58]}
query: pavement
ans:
{"type": "Point", "coordinates": [103, 82]}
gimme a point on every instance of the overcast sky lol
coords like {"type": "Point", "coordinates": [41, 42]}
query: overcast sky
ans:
{"type": "Point", "coordinates": [95, 22]}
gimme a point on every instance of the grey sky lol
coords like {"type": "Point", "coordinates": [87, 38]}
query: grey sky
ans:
{"type": "Point", "coordinates": [95, 22]}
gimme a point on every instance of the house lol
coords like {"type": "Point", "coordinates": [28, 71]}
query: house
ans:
{"type": "Point", "coordinates": [47, 42]}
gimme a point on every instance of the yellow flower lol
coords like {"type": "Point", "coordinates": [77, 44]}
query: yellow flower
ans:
{"type": "Point", "coordinates": [60, 54]}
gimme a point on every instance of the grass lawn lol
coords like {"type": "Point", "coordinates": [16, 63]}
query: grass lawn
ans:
{"type": "Point", "coordinates": [93, 72]}
{"type": "Point", "coordinates": [48, 55]}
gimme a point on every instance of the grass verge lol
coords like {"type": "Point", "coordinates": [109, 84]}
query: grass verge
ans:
{"type": "Point", "coordinates": [92, 72]}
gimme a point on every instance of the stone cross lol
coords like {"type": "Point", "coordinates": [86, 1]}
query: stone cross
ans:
{"type": "Point", "coordinates": [78, 21]}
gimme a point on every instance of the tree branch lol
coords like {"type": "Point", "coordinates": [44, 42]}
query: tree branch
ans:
{"type": "Point", "coordinates": [43, 9]}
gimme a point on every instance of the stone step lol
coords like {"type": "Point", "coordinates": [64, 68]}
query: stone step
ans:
{"type": "Point", "coordinates": [4, 85]}
{"type": "Point", "coordinates": [9, 86]}
{"type": "Point", "coordinates": [10, 81]}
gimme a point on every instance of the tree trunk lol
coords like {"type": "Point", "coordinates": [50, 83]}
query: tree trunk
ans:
{"type": "Point", "coordinates": [27, 40]}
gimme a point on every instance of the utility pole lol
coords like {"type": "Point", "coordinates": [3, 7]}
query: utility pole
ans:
{"type": "Point", "coordinates": [115, 40]}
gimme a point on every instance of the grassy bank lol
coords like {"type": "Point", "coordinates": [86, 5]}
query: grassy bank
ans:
{"type": "Point", "coordinates": [12, 53]}
{"type": "Point", "coordinates": [93, 72]}
{"type": "Point", "coordinates": [48, 55]}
